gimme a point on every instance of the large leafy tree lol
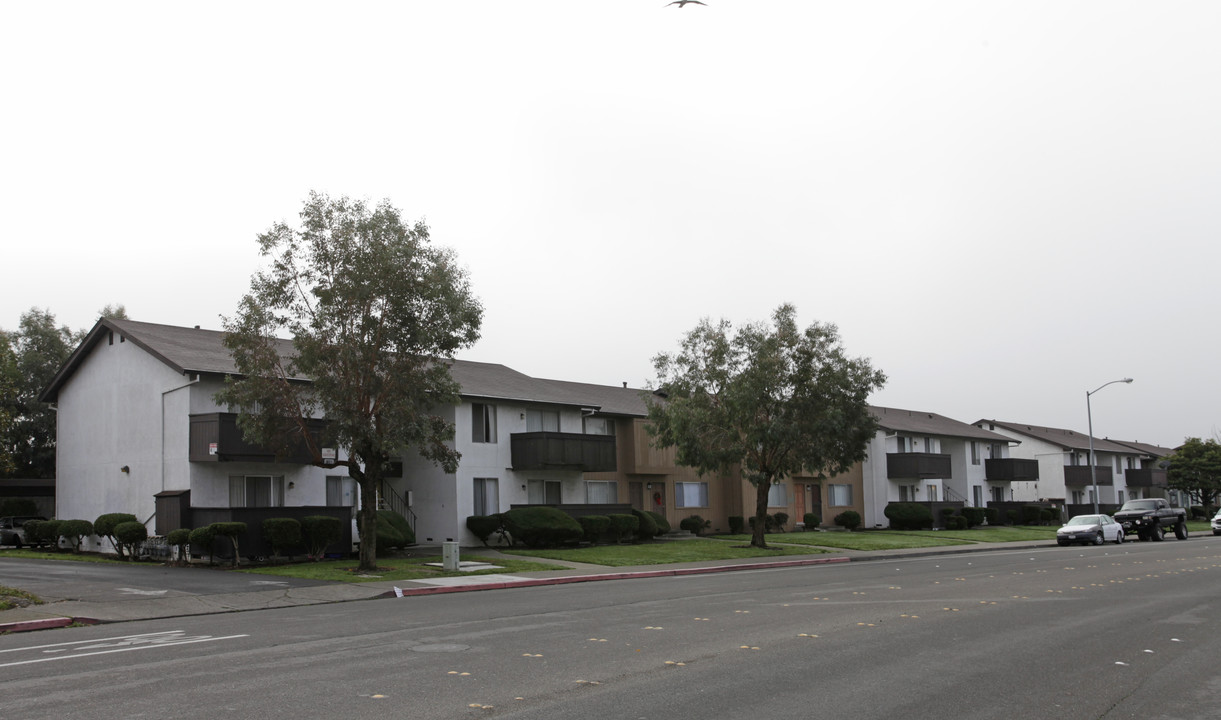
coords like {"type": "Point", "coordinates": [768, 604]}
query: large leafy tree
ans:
{"type": "Point", "coordinates": [36, 351]}
{"type": "Point", "coordinates": [8, 403]}
{"type": "Point", "coordinates": [769, 400]}
{"type": "Point", "coordinates": [1195, 468]}
{"type": "Point", "coordinates": [373, 309]}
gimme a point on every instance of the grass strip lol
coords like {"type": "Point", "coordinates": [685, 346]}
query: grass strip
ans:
{"type": "Point", "coordinates": [663, 553]}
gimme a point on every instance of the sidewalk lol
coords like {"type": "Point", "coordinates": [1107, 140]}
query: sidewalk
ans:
{"type": "Point", "coordinates": [84, 612]}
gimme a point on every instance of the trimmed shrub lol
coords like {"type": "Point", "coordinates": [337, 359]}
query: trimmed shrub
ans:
{"type": "Point", "coordinates": [281, 534]}
{"type": "Point", "coordinates": [992, 515]}
{"type": "Point", "coordinates": [646, 529]}
{"type": "Point", "coordinates": [1047, 516]}
{"type": "Point", "coordinates": [1198, 512]}
{"type": "Point", "coordinates": [694, 524]}
{"type": "Point", "coordinates": [622, 525]}
{"type": "Point", "coordinates": [540, 526]}
{"type": "Point", "coordinates": [74, 531]}
{"type": "Point", "coordinates": [956, 522]}
{"type": "Point", "coordinates": [49, 533]}
{"type": "Point", "coordinates": [974, 516]}
{"type": "Point", "coordinates": [230, 531]}
{"type": "Point", "coordinates": [736, 524]}
{"type": "Point", "coordinates": [204, 538]}
{"type": "Point", "coordinates": [781, 521]}
{"type": "Point", "coordinates": [849, 519]}
{"type": "Point", "coordinates": [1031, 514]}
{"type": "Point", "coordinates": [319, 532]}
{"type": "Point", "coordinates": [593, 527]}
{"type": "Point", "coordinates": [482, 526]}
{"type": "Point", "coordinates": [393, 531]}
{"type": "Point", "coordinates": [105, 524]}
{"type": "Point", "coordinates": [908, 516]}
{"type": "Point", "coordinates": [130, 534]}
{"type": "Point", "coordinates": [946, 512]}
{"type": "Point", "coordinates": [663, 525]}
{"type": "Point", "coordinates": [1013, 516]}
{"type": "Point", "coordinates": [811, 521]}
{"type": "Point", "coordinates": [180, 540]}
{"type": "Point", "coordinates": [33, 531]}
{"type": "Point", "coordinates": [17, 507]}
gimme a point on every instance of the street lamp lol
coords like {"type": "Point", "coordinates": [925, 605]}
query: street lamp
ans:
{"type": "Point", "coordinates": [1090, 419]}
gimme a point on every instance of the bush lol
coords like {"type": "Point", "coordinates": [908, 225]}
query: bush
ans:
{"type": "Point", "coordinates": [849, 519]}
{"type": "Point", "coordinates": [130, 534]}
{"type": "Point", "coordinates": [1047, 516]}
{"type": "Point", "coordinates": [33, 531]}
{"type": "Point", "coordinates": [74, 531]}
{"type": "Point", "coordinates": [694, 524]}
{"type": "Point", "coordinates": [956, 522]}
{"type": "Point", "coordinates": [180, 540]}
{"type": "Point", "coordinates": [1013, 516]}
{"type": "Point", "coordinates": [105, 524]}
{"type": "Point", "coordinates": [908, 516]}
{"type": "Point", "coordinates": [992, 515]}
{"type": "Point", "coordinates": [780, 521]}
{"type": "Point", "coordinates": [482, 526]}
{"type": "Point", "coordinates": [1198, 512]}
{"type": "Point", "coordinates": [769, 524]}
{"type": "Point", "coordinates": [230, 531]}
{"type": "Point", "coordinates": [974, 516]}
{"type": "Point", "coordinates": [811, 521]}
{"type": "Point", "coordinates": [622, 525]}
{"type": "Point", "coordinates": [946, 512]}
{"type": "Point", "coordinates": [594, 527]}
{"type": "Point", "coordinates": [736, 524]}
{"type": "Point", "coordinates": [17, 507]}
{"type": "Point", "coordinates": [393, 531]}
{"type": "Point", "coordinates": [541, 526]}
{"type": "Point", "coordinates": [646, 529]}
{"type": "Point", "coordinates": [663, 525]}
{"type": "Point", "coordinates": [1031, 514]}
{"type": "Point", "coordinates": [203, 538]}
{"type": "Point", "coordinates": [281, 534]}
{"type": "Point", "coordinates": [48, 533]}
{"type": "Point", "coordinates": [319, 532]}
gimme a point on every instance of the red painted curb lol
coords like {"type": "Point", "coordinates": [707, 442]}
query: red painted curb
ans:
{"type": "Point", "coordinates": [35, 624]}
{"type": "Point", "coordinates": [536, 582]}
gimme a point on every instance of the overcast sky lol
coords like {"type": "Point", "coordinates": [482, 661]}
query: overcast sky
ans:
{"type": "Point", "coordinates": [1002, 204]}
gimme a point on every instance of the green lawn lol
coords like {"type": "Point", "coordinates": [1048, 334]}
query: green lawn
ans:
{"type": "Point", "coordinates": [988, 534]}
{"type": "Point", "coordinates": [663, 553]}
{"type": "Point", "coordinates": [864, 540]}
{"type": "Point", "coordinates": [391, 569]}
{"type": "Point", "coordinates": [49, 555]}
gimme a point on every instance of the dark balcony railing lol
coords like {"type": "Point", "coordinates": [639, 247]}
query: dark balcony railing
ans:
{"type": "Point", "coordinates": [215, 437]}
{"type": "Point", "coordinates": [1079, 475]}
{"type": "Point", "coordinates": [1145, 477]}
{"type": "Point", "coordinates": [563, 451]}
{"type": "Point", "coordinates": [904, 466]}
{"type": "Point", "coordinates": [1010, 469]}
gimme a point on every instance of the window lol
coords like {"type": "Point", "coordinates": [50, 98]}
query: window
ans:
{"type": "Point", "coordinates": [930, 445]}
{"type": "Point", "coordinates": [601, 493]}
{"type": "Point", "coordinates": [1121, 497]}
{"type": "Point", "coordinates": [903, 444]}
{"type": "Point", "coordinates": [690, 494]}
{"type": "Point", "coordinates": [907, 493]}
{"type": "Point", "coordinates": [974, 452]}
{"type": "Point", "coordinates": [487, 497]}
{"type": "Point", "coordinates": [977, 496]}
{"type": "Point", "coordinates": [340, 491]}
{"type": "Point", "coordinates": [542, 421]}
{"type": "Point", "coordinates": [998, 494]}
{"type": "Point", "coordinates": [994, 450]}
{"type": "Point", "coordinates": [599, 426]}
{"type": "Point", "coordinates": [776, 496]}
{"type": "Point", "coordinates": [483, 423]}
{"type": "Point", "coordinates": [932, 493]}
{"type": "Point", "coordinates": [256, 491]}
{"type": "Point", "coordinates": [1131, 463]}
{"type": "Point", "coordinates": [543, 492]}
{"type": "Point", "coordinates": [1118, 465]}
{"type": "Point", "coordinates": [839, 495]}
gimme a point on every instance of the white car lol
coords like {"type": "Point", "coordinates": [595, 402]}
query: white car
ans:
{"type": "Point", "coordinates": [1095, 529]}
{"type": "Point", "coordinates": [1217, 523]}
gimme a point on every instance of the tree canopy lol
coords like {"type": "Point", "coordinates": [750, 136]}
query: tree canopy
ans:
{"type": "Point", "coordinates": [770, 400]}
{"type": "Point", "coordinates": [1195, 468]}
{"type": "Point", "coordinates": [373, 309]}
{"type": "Point", "coordinates": [36, 351]}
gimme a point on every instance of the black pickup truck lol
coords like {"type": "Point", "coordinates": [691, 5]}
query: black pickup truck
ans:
{"type": "Point", "coordinates": [1151, 519]}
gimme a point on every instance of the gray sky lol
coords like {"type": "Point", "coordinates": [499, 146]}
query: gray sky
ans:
{"type": "Point", "coordinates": [1003, 204]}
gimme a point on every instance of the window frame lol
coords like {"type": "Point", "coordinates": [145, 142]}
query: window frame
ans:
{"type": "Point", "coordinates": [681, 490]}
{"type": "Point", "coordinates": [483, 423]}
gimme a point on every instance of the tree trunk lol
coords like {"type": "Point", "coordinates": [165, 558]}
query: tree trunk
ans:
{"type": "Point", "coordinates": [757, 538]}
{"type": "Point", "coordinates": [366, 517]}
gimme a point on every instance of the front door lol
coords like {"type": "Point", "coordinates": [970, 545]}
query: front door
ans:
{"type": "Point", "coordinates": [657, 498]}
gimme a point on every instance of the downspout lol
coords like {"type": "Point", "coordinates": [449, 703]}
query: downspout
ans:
{"type": "Point", "coordinates": [194, 380]}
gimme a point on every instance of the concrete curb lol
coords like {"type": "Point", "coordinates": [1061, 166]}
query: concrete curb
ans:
{"type": "Point", "coordinates": [536, 582]}
{"type": "Point", "coordinates": [44, 624]}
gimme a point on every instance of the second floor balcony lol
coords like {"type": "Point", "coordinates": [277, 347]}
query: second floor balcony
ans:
{"type": "Point", "coordinates": [1145, 477]}
{"type": "Point", "coordinates": [563, 451]}
{"type": "Point", "coordinates": [216, 437]}
{"type": "Point", "coordinates": [1011, 469]}
{"type": "Point", "coordinates": [1079, 475]}
{"type": "Point", "coordinates": [912, 466]}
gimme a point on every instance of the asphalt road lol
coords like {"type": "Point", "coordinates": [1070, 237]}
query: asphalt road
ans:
{"type": "Point", "coordinates": [1097, 632]}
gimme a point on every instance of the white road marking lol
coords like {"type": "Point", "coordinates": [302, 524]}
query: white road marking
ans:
{"type": "Point", "coordinates": [124, 643]}
{"type": "Point", "coordinates": [134, 591]}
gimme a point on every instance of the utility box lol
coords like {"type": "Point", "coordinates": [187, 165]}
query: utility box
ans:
{"type": "Point", "coordinates": [449, 556]}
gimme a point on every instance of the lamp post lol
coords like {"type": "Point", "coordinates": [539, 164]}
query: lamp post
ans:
{"type": "Point", "coordinates": [1090, 419]}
